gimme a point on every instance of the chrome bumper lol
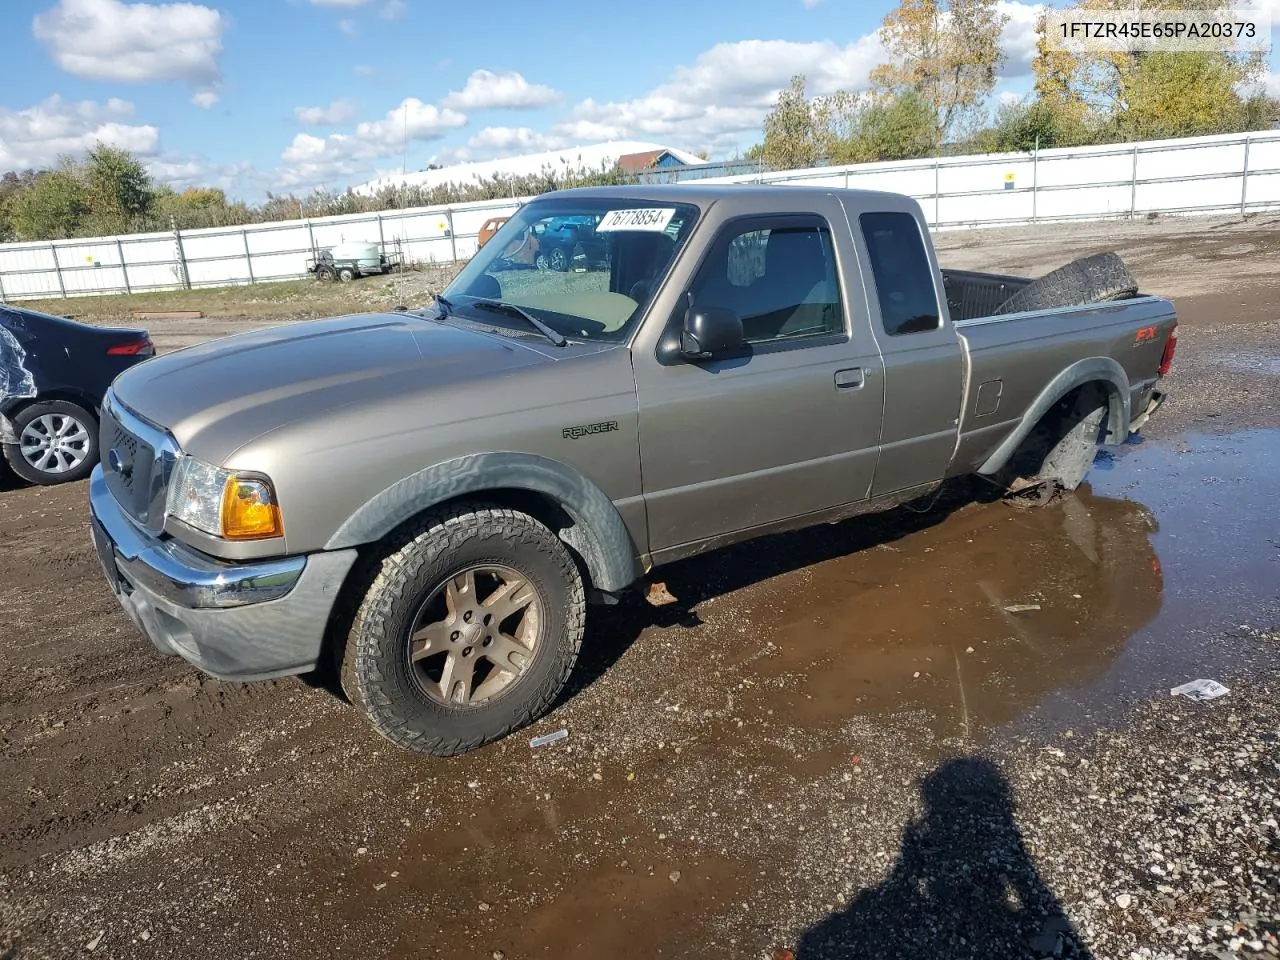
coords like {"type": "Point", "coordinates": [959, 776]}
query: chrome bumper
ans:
{"type": "Point", "coordinates": [242, 621]}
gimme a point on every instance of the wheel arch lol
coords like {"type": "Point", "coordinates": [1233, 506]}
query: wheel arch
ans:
{"type": "Point", "coordinates": [575, 508]}
{"type": "Point", "coordinates": [1103, 372]}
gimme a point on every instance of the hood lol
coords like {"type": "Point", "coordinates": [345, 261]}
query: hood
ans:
{"type": "Point", "coordinates": [220, 395]}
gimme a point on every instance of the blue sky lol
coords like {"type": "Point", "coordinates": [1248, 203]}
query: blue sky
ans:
{"type": "Point", "coordinates": [288, 95]}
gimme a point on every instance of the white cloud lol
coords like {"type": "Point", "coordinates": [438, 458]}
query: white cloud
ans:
{"type": "Point", "coordinates": [725, 93]}
{"type": "Point", "coordinates": [340, 111]}
{"type": "Point", "coordinates": [412, 119]}
{"type": "Point", "coordinates": [487, 90]}
{"type": "Point", "coordinates": [501, 141]}
{"type": "Point", "coordinates": [719, 101]}
{"type": "Point", "coordinates": [38, 135]}
{"type": "Point", "coordinates": [387, 9]}
{"type": "Point", "coordinates": [313, 161]}
{"type": "Point", "coordinates": [348, 27]}
{"type": "Point", "coordinates": [1007, 98]}
{"type": "Point", "coordinates": [1018, 39]}
{"type": "Point", "coordinates": [205, 99]}
{"type": "Point", "coordinates": [133, 42]}
{"type": "Point", "coordinates": [810, 4]}
{"type": "Point", "coordinates": [1271, 83]}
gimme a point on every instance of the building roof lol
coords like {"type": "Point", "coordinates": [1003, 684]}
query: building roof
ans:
{"type": "Point", "coordinates": [637, 162]}
{"type": "Point", "coordinates": [594, 156]}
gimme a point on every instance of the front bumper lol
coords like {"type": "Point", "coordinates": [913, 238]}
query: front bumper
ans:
{"type": "Point", "coordinates": [236, 621]}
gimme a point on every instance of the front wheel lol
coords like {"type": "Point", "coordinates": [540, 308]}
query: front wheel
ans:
{"type": "Point", "coordinates": [559, 260]}
{"type": "Point", "coordinates": [57, 443]}
{"type": "Point", "coordinates": [468, 632]}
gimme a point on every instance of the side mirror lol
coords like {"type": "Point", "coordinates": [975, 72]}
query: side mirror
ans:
{"type": "Point", "coordinates": [710, 332]}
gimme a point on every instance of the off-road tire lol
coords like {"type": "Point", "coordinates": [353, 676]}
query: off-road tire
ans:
{"type": "Point", "coordinates": [1100, 278]}
{"type": "Point", "coordinates": [375, 673]}
{"type": "Point", "coordinates": [1060, 450]}
{"type": "Point", "coordinates": [59, 408]}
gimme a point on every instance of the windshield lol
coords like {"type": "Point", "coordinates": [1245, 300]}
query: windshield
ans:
{"type": "Point", "coordinates": [586, 267]}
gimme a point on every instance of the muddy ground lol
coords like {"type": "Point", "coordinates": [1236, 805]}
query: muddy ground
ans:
{"type": "Point", "coordinates": [837, 743]}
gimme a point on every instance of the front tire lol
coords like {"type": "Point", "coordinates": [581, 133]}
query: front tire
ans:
{"type": "Point", "coordinates": [57, 443]}
{"type": "Point", "coordinates": [468, 632]}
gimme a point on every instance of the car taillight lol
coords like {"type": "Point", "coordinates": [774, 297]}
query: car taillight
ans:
{"type": "Point", "coordinates": [133, 348]}
{"type": "Point", "coordinates": [1170, 348]}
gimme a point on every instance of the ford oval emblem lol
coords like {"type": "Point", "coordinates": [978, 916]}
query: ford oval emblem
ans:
{"type": "Point", "coordinates": [119, 462]}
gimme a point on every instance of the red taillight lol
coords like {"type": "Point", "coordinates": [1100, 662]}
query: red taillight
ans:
{"type": "Point", "coordinates": [1170, 348]}
{"type": "Point", "coordinates": [133, 348]}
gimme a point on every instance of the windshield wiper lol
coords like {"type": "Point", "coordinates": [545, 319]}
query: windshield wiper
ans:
{"type": "Point", "coordinates": [501, 305]}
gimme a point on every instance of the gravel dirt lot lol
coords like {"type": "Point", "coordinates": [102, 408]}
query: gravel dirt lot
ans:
{"type": "Point", "coordinates": [836, 743]}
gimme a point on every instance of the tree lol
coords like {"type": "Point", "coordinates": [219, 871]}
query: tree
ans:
{"type": "Point", "coordinates": [870, 127]}
{"type": "Point", "coordinates": [1133, 94]}
{"type": "Point", "coordinates": [946, 52]}
{"type": "Point", "coordinates": [797, 131]}
{"type": "Point", "coordinates": [120, 194]}
{"type": "Point", "coordinates": [53, 207]}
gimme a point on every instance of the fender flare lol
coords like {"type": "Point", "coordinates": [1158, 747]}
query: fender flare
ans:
{"type": "Point", "coordinates": [1102, 370]}
{"type": "Point", "coordinates": [597, 533]}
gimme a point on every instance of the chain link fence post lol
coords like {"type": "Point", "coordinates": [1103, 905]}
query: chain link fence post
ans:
{"type": "Point", "coordinates": [1133, 186]}
{"type": "Point", "coordinates": [124, 267]}
{"type": "Point", "coordinates": [1244, 179]}
{"type": "Point", "coordinates": [183, 276]}
{"type": "Point", "coordinates": [57, 269]}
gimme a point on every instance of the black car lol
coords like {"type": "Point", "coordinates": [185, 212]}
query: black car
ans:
{"type": "Point", "coordinates": [54, 373]}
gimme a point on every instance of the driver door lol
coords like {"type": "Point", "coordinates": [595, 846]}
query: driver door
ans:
{"type": "Point", "coordinates": [790, 429]}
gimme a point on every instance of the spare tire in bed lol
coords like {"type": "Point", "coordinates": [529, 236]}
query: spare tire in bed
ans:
{"type": "Point", "coordinates": [1096, 279]}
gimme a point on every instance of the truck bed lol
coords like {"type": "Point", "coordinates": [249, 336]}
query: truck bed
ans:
{"type": "Point", "coordinates": [1014, 358]}
{"type": "Point", "coordinates": [971, 295]}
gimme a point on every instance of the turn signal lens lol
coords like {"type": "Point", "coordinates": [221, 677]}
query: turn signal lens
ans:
{"type": "Point", "coordinates": [249, 510]}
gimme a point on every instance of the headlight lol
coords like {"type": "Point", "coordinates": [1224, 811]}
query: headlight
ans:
{"type": "Point", "coordinates": [224, 503]}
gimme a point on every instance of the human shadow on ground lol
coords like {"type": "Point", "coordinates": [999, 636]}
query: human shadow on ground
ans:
{"type": "Point", "coordinates": [963, 885]}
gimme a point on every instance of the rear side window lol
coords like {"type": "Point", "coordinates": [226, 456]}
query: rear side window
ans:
{"type": "Point", "coordinates": [904, 279]}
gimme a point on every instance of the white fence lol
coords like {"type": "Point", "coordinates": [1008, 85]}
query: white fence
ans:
{"type": "Point", "coordinates": [1234, 173]}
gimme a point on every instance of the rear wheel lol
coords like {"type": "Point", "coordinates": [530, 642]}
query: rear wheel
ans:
{"type": "Point", "coordinates": [1057, 454]}
{"type": "Point", "coordinates": [346, 274]}
{"type": "Point", "coordinates": [559, 260]}
{"type": "Point", "coordinates": [57, 443]}
{"type": "Point", "coordinates": [468, 632]}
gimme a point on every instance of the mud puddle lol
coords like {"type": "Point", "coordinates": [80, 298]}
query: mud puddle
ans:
{"type": "Point", "coordinates": [989, 614]}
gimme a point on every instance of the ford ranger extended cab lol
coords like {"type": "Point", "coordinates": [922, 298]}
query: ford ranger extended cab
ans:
{"type": "Point", "coordinates": [429, 499]}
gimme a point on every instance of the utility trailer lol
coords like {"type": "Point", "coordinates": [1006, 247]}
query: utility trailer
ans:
{"type": "Point", "coordinates": [347, 261]}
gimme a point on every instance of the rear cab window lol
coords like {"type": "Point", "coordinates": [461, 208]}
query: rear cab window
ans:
{"type": "Point", "coordinates": [903, 277]}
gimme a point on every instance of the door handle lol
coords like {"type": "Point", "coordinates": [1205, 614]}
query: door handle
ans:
{"type": "Point", "coordinates": [850, 379]}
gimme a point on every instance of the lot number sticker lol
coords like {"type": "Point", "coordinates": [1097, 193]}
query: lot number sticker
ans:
{"type": "Point", "coordinates": [655, 219]}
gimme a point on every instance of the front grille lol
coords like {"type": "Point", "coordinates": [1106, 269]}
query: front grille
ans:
{"type": "Point", "coordinates": [136, 461]}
